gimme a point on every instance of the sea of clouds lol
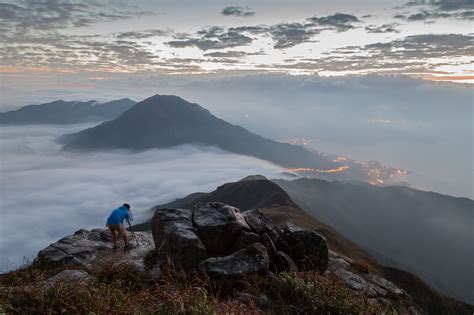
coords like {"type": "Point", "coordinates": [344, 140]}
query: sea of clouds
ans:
{"type": "Point", "coordinates": [47, 193]}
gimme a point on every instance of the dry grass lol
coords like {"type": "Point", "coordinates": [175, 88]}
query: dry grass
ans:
{"type": "Point", "coordinates": [125, 290]}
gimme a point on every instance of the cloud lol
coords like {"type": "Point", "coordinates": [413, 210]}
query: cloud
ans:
{"type": "Point", "coordinates": [212, 38]}
{"type": "Point", "coordinates": [48, 15]}
{"type": "Point", "coordinates": [231, 54]}
{"type": "Point", "coordinates": [340, 21]}
{"type": "Point", "coordinates": [441, 9]}
{"type": "Point", "coordinates": [385, 28]}
{"type": "Point", "coordinates": [284, 35]}
{"type": "Point", "coordinates": [444, 5]}
{"type": "Point", "coordinates": [50, 194]}
{"type": "Point", "coordinates": [238, 11]}
{"type": "Point", "coordinates": [143, 34]}
{"type": "Point", "coordinates": [291, 34]}
{"type": "Point", "coordinates": [411, 54]}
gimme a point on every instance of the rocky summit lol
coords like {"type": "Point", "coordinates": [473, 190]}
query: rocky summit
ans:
{"type": "Point", "coordinates": [220, 242]}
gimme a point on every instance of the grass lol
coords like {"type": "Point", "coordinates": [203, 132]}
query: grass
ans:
{"type": "Point", "coordinates": [125, 290]}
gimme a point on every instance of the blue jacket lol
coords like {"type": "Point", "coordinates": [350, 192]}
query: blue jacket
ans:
{"type": "Point", "coordinates": [118, 215]}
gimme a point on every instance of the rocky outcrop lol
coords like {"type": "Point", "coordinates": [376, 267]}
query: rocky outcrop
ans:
{"type": "Point", "coordinates": [308, 248]}
{"type": "Point", "coordinates": [85, 248]}
{"type": "Point", "coordinates": [219, 226]}
{"type": "Point", "coordinates": [251, 260]}
{"type": "Point", "coordinates": [222, 242]}
{"type": "Point", "coordinates": [176, 239]}
{"type": "Point", "coordinates": [374, 287]}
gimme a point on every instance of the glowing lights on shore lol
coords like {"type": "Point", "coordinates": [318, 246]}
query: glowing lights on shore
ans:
{"type": "Point", "coordinates": [339, 159]}
{"type": "Point", "coordinates": [334, 170]}
{"type": "Point", "coordinates": [297, 141]}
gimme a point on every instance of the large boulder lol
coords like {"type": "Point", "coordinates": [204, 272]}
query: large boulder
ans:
{"type": "Point", "coordinates": [85, 248]}
{"type": "Point", "coordinates": [308, 249]}
{"type": "Point", "coordinates": [244, 240]}
{"type": "Point", "coordinates": [176, 240]}
{"type": "Point", "coordinates": [251, 260]}
{"type": "Point", "coordinates": [260, 224]}
{"type": "Point", "coordinates": [219, 226]}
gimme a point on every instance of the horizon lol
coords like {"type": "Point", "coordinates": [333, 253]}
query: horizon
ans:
{"type": "Point", "coordinates": [72, 47]}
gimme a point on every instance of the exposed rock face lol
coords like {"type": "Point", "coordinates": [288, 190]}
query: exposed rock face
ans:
{"type": "Point", "coordinates": [235, 243]}
{"type": "Point", "coordinates": [85, 247]}
{"type": "Point", "coordinates": [69, 277]}
{"type": "Point", "coordinates": [370, 285]}
{"type": "Point", "coordinates": [245, 239]}
{"type": "Point", "coordinates": [176, 239]}
{"type": "Point", "coordinates": [308, 248]}
{"type": "Point", "coordinates": [253, 259]}
{"type": "Point", "coordinates": [260, 224]}
{"type": "Point", "coordinates": [219, 226]}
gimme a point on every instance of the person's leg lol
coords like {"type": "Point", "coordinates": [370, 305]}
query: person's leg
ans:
{"type": "Point", "coordinates": [123, 232]}
{"type": "Point", "coordinates": [114, 233]}
{"type": "Point", "coordinates": [125, 237]}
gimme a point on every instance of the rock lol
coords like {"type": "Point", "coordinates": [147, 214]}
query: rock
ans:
{"type": "Point", "coordinates": [370, 285]}
{"type": "Point", "coordinates": [383, 283]}
{"type": "Point", "coordinates": [69, 277]}
{"type": "Point", "coordinates": [85, 247]}
{"type": "Point", "coordinates": [219, 226]}
{"type": "Point", "coordinates": [290, 228]}
{"type": "Point", "coordinates": [251, 260]}
{"type": "Point", "coordinates": [308, 249]}
{"type": "Point", "coordinates": [282, 262]}
{"type": "Point", "coordinates": [155, 273]}
{"type": "Point", "coordinates": [337, 262]}
{"type": "Point", "coordinates": [264, 302]}
{"type": "Point", "coordinates": [245, 239]}
{"type": "Point", "coordinates": [266, 241]}
{"type": "Point", "coordinates": [176, 240]}
{"type": "Point", "coordinates": [260, 224]}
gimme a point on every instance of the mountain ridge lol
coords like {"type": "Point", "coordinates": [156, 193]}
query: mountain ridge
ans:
{"type": "Point", "coordinates": [166, 120]}
{"type": "Point", "coordinates": [238, 193]}
{"type": "Point", "coordinates": [66, 112]}
{"type": "Point", "coordinates": [407, 228]}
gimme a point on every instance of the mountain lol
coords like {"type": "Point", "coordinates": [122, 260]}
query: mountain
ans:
{"type": "Point", "coordinates": [164, 121]}
{"type": "Point", "coordinates": [426, 233]}
{"type": "Point", "coordinates": [277, 205]}
{"type": "Point", "coordinates": [62, 112]}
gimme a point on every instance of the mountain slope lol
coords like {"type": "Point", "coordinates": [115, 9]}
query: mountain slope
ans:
{"type": "Point", "coordinates": [282, 210]}
{"type": "Point", "coordinates": [164, 121]}
{"type": "Point", "coordinates": [426, 233]}
{"type": "Point", "coordinates": [62, 112]}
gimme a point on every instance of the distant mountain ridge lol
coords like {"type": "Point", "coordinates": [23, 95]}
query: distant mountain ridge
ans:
{"type": "Point", "coordinates": [64, 112]}
{"type": "Point", "coordinates": [426, 233]}
{"type": "Point", "coordinates": [165, 120]}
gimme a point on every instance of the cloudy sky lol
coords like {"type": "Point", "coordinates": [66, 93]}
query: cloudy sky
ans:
{"type": "Point", "coordinates": [429, 39]}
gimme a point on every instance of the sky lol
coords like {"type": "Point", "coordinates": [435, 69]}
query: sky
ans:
{"type": "Point", "coordinates": [93, 40]}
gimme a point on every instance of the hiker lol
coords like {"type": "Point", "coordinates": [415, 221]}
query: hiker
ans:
{"type": "Point", "coordinates": [115, 224]}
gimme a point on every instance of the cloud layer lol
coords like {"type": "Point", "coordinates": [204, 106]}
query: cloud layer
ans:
{"type": "Point", "coordinates": [238, 11]}
{"type": "Point", "coordinates": [68, 36]}
{"type": "Point", "coordinates": [47, 194]}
